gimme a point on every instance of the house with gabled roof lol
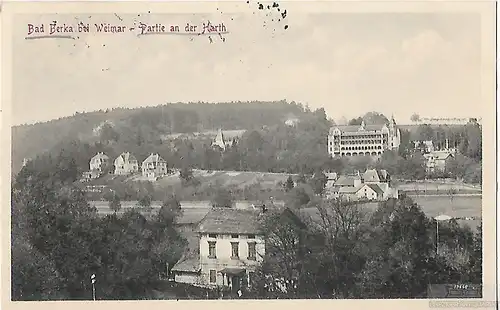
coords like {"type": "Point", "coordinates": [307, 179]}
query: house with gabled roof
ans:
{"type": "Point", "coordinates": [437, 160]}
{"type": "Point", "coordinates": [375, 176]}
{"type": "Point", "coordinates": [98, 162]}
{"type": "Point", "coordinates": [125, 164]}
{"type": "Point", "coordinates": [230, 246]}
{"type": "Point", "coordinates": [348, 181]}
{"type": "Point", "coordinates": [373, 184]}
{"type": "Point", "coordinates": [154, 167]}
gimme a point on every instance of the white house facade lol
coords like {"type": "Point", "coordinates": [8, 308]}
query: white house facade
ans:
{"type": "Point", "coordinates": [363, 140]}
{"type": "Point", "coordinates": [98, 162]}
{"type": "Point", "coordinates": [231, 247]}
{"type": "Point", "coordinates": [125, 164]}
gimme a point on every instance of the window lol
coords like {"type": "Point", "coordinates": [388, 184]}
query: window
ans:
{"type": "Point", "coordinates": [234, 236]}
{"type": "Point", "coordinates": [211, 249]}
{"type": "Point", "coordinates": [251, 250]}
{"type": "Point", "coordinates": [213, 276]}
{"type": "Point", "coordinates": [212, 235]}
{"type": "Point", "coordinates": [251, 236]}
{"type": "Point", "coordinates": [235, 250]}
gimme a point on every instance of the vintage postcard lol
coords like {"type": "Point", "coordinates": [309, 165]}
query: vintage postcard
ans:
{"type": "Point", "coordinates": [341, 154]}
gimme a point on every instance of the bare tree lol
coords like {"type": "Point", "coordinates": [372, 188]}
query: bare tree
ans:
{"type": "Point", "coordinates": [342, 226]}
{"type": "Point", "coordinates": [339, 219]}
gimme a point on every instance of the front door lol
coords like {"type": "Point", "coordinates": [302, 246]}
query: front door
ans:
{"type": "Point", "coordinates": [236, 282]}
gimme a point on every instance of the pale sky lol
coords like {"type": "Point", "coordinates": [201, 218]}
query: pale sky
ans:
{"type": "Point", "coordinates": [348, 63]}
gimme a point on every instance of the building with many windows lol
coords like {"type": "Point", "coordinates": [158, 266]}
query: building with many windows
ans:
{"type": "Point", "coordinates": [231, 247]}
{"type": "Point", "coordinates": [363, 140]}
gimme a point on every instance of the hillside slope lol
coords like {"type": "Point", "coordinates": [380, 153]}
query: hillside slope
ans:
{"type": "Point", "coordinates": [145, 126]}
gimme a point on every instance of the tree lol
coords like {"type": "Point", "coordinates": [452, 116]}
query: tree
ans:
{"type": "Point", "coordinates": [145, 201]}
{"type": "Point", "coordinates": [356, 121]}
{"type": "Point", "coordinates": [399, 262]}
{"type": "Point", "coordinates": [170, 210]}
{"type": "Point", "coordinates": [289, 184]}
{"type": "Point", "coordinates": [222, 198]}
{"type": "Point", "coordinates": [34, 276]}
{"type": "Point", "coordinates": [474, 141]}
{"type": "Point", "coordinates": [342, 227]}
{"type": "Point", "coordinates": [415, 117]}
{"type": "Point", "coordinates": [61, 225]}
{"type": "Point", "coordinates": [108, 134]}
{"type": "Point", "coordinates": [299, 197]}
{"type": "Point", "coordinates": [476, 261]}
{"type": "Point", "coordinates": [406, 145]}
{"type": "Point", "coordinates": [318, 182]}
{"type": "Point", "coordinates": [425, 132]}
{"type": "Point", "coordinates": [115, 204]}
{"type": "Point", "coordinates": [283, 271]}
{"type": "Point", "coordinates": [413, 167]}
{"type": "Point", "coordinates": [375, 118]}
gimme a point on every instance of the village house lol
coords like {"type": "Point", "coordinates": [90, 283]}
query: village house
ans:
{"type": "Point", "coordinates": [425, 146]}
{"type": "Point", "coordinates": [125, 164]}
{"type": "Point", "coordinates": [99, 162]}
{"type": "Point", "coordinates": [363, 140]}
{"type": "Point", "coordinates": [231, 247]}
{"type": "Point", "coordinates": [331, 178]}
{"type": "Point", "coordinates": [97, 165]}
{"type": "Point", "coordinates": [371, 185]}
{"type": "Point", "coordinates": [154, 167]}
{"type": "Point", "coordinates": [436, 161]}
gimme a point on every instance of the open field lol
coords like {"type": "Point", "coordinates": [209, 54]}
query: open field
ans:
{"type": "Point", "coordinates": [239, 179]}
{"type": "Point", "coordinates": [459, 207]}
{"type": "Point", "coordinates": [437, 187]}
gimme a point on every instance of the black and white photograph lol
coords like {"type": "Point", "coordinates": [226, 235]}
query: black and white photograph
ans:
{"type": "Point", "coordinates": [250, 150]}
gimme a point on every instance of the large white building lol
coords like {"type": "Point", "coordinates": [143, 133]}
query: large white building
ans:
{"type": "Point", "coordinates": [231, 246]}
{"type": "Point", "coordinates": [365, 140]}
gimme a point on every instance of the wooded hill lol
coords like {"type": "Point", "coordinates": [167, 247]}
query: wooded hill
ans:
{"type": "Point", "coordinates": [143, 127]}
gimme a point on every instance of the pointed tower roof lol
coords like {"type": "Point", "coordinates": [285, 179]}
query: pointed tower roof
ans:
{"type": "Point", "coordinates": [219, 140]}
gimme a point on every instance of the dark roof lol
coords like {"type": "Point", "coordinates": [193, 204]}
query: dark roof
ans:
{"type": "Point", "coordinates": [374, 175]}
{"type": "Point", "coordinates": [191, 264]}
{"type": "Point", "coordinates": [294, 216]}
{"type": "Point", "coordinates": [346, 180]}
{"type": "Point", "coordinates": [232, 271]}
{"type": "Point", "coordinates": [228, 221]}
{"type": "Point", "coordinates": [355, 128]}
{"type": "Point", "coordinates": [127, 157]}
{"type": "Point", "coordinates": [376, 188]}
{"type": "Point", "coordinates": [192, 215]}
